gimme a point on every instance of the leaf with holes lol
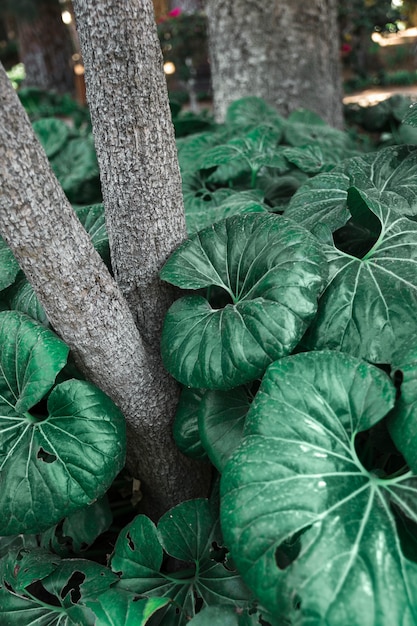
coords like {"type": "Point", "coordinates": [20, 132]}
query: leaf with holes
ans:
{"type": "Point", "coordinates": [121, 608]}
{"type": "Point", "coordinates": [60, 447]}
{"type": "Point", "coordinates": [226, 616]}
{"type": "Point", "coordinates": [312, 531]}
{"type": "Point", "coordinates": [190, 533]}
{"type": "Point", "coordinates": [75, 533]}
{"type": "Point", "coordinates": [270, 269]}
{"type": "Point", "coordinates": [368, 307]}
{"type": "Point", "coordinates": [38, 588]}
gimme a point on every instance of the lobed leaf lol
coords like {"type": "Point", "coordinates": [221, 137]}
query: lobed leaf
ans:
{"type": "Point", "coordinates": [56, 454]}
{"type": "Point", "coordinates": [368, 307]}
{"type": "Point", "coordinates": [389, 174]}
{"type": "Point", "coordinates": [311, 530]}
{"type": "Point", "coordinates": [271, 269]}
{"type": "Point", "coordinates": [187, 532]}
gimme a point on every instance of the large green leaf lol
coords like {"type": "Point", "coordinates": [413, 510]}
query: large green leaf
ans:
{"type": "Point", "coordinates": [77, 170]}
{"type": "Point", "coordinates": [252, 111]}
{"type": "Point", "coordinates": [225, 616]}
{"type": "Point", "coordinates": [187, 532]}
{"type": "Point", "coordinates": [256, 149]}
{"type": "Point", "coordinates": [271, 270]}
{"type": "Point", "coordinates": [411, 116]}
{"type": "Point", "coordinates": [121, 608]}
{"type": "Point", "coordinates": [403, 419]}
{"type": "Point", "coordinates": [93, 219]}
{"type": "Point", "coordinates": [37, 588]}
{"type": "Point", "coordinates": [389, 174]}
{"type": "Point", "coordinates": [205, 208]}
{"type": "Point", "coordinates": [185, 427]}
{"type": "Point", "coordinates": [221, 420]}
{"type": "Point", "coordinates": [60, 447]}
{"type": "Point", "coordinates": [53, 134]}
{"type": "Point", "coordinates": [21, 297]}
{"type": "Point", "coordinates": [304, 127]}
{"type": "Point", "coordinates": [369, 305]}
{"type": "Point", "coordinates": [9, 267]}
{"type": "Point", "coordinates": [311, 530]}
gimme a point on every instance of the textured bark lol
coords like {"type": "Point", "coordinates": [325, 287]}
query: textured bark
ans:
{"type": "Point", "coordinates": [141, 183]}
{"type": "Point", "coordinates": [45, 48]}
{"type": "Point", "coordinates": [85, 306]}
{"type": "Point", "coordinates": [134, 138]}
{"type": "Point", "coordinates": [284, 52]}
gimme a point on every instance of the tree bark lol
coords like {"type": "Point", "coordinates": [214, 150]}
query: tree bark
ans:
{"type": "Point", "coordinates": [85, 306]}
{"type": "Point", "coordinates": [45, 48]}
{"type": "Point", "coordinates": [284, 52]}
{"type": "Point", "coordinates": [141, 181]}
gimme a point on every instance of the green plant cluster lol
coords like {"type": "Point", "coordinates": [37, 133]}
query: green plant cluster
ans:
{"type": "Point", "coordinates": [296, 345]}
{"type": "Point", "coordinates": [381, 124]}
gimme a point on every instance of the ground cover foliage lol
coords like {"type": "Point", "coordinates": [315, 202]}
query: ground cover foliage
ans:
{"type": "Point", "coordinates": [295, 342]}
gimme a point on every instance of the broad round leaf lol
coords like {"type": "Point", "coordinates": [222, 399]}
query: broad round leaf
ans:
{"type": "Point", "coordinates": [93, 219]}
{"type": "Point", "coordinates": [120, 608]}
{"type": "Point", "coordinates": [402, 421]}
{"type": "Point", "coordinates": [252, 111]}
{"type": "Point", "coordinates": [52, 133]}
{"type": "Point", "coordinates": [9, 267]}
{"type": "Point", "coordinates": [389, 173]}
{"type": "Point", "coordinates": [273, 272]}
{"type": "Point", "coordinates": [77, 170]}
{"type": "Point", "coordinates": [21, 297]}
{"type": "Point", "coordinates": [369, 305]}
{"type": "Point", "coordinates": [221, 419]}
{"type": "Point", "coordinates": [58, 456]}
{"type": "Point", "coordinates": [185, 427]}
{"type": "Point", "coordinates": [310, 529]}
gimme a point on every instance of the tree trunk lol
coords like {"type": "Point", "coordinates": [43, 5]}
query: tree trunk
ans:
{"type": "Point", "coordinates": [45, 48]}
{"type": "Point", "coordinates": [85, 306]}
{"type": "Point", "coordinates": [284, 52]}
{"type": "Point", "coordinates": [141, 182]}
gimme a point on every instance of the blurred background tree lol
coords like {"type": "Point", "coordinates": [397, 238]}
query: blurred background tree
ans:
{"type": "Point", "coordinates": [43, 42]}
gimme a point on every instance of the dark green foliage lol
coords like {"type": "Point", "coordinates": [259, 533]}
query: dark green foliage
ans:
{"type": "Point", "coordinates": [295, 341]}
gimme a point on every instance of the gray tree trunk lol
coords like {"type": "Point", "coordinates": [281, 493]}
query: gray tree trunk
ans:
{"type": "Point", "coordinates": [45, 48]}
{"type": "Point", "coordinates": [284, 52]}
{"type": "Point", "coordinates": [141, 181]}
{"type": "Point", "coordinates": [86, 307]}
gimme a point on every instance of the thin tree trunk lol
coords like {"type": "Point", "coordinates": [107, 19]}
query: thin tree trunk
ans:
{"type": "Point", "coordinates": [45, 48]}
{"type": "Point", "coordinates": [85, 306]}
{"type": "Point", "coordinates": [284, 52]}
